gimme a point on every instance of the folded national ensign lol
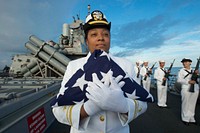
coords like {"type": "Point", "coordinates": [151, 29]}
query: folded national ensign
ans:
{"type": "Point", "coordinates": [100, 63]}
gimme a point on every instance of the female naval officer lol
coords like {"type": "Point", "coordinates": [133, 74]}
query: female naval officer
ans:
{"type": "Point", "coordinates": [114, 111]}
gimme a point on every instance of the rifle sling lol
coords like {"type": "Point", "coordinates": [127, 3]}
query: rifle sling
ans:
{"type": "Point", "coordinates": [163, 70]}
{"type": "Point", "coordinates": [188, 73]}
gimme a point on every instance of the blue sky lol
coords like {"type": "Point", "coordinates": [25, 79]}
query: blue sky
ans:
{"type": "Point", "coordinates": [141, 29]}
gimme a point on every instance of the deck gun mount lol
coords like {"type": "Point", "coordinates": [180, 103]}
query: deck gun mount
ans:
{"type": "Point", "coordinates": [50, 59]}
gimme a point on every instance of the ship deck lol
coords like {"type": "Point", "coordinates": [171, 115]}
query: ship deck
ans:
{"type": "Point", "coordinates": [21, 100]}
{"type": "Point", "coordinates": [154, 120]}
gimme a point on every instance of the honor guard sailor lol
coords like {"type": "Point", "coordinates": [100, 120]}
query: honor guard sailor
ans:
{"type": "Point", "coordinates": [101, 99]}
{"type": "Point", "coordinates": [159, 75]}
{"type": "Point", "coordinates": [146, 78]}
{"type": "Point", "coordinates": [137, 68]}
{"type": "Point", "coordinates": [189, 99]}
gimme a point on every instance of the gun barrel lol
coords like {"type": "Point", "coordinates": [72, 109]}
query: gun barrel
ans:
{"type": "Point", "coordinates": [167, 74]}
{"type": "Point", "coordinates": [194, 76]}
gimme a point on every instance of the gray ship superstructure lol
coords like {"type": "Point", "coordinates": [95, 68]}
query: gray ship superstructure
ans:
{"type": "Point", "coordinates": [49, 59]}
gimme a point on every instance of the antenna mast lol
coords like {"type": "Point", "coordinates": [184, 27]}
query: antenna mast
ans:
{"type": "Point", "coordinates": [88, 9]}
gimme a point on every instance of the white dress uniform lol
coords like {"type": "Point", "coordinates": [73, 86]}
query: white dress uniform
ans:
{"type": "Point", "coordinates": [103, 121]}
{"type": "Point", "coordinates": [137, 76]}
{"type": "Point", "coordinates": [145, 83]}
{"type": "Point", "coordinates": [161, 90]}
{"type": "Point", "coordinates": [189, 99]}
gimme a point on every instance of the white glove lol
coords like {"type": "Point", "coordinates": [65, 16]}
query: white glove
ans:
{"type": "Point", "coordinates": [108, 97]}
{"type": "Point", "coordinates": [91, 108]}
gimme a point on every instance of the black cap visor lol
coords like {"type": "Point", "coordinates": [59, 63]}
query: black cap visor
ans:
{"type": "Point", "coordinates": [186, 60]}
{"type": "Point", "coordinates": [88, 27]}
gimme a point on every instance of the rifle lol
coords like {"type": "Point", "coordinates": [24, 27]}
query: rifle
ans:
{"type": "Point", "coordinates": [167, 74]}
{"type": "Point", "coordinates": [149, 72]}
{"type": "Point", "coordinates": [138, 73]}
{"type": "Point", "coordinates": [195, 76]}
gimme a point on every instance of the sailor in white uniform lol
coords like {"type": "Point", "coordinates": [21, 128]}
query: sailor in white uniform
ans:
{"type": "Point", "coordinates": [189, 99]}
{"type": "Point", "coordinates": [146, 76]}
{"type": "Point", "coordinates": [159, 75]}
{"type": "Point", "coordinates": [137, 68]}
{"type": "Point", "coordinates": [108, 116]}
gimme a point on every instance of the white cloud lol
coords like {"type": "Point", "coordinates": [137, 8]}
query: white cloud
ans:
{"type": "Point", "coordinates": [126, 3]}
{"type": "Point", "coordinates": [181, 46]}
{"type": "Point", "coordinates": [168, 53]}
{"type": "Point", "coordinates": [191, 34]}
